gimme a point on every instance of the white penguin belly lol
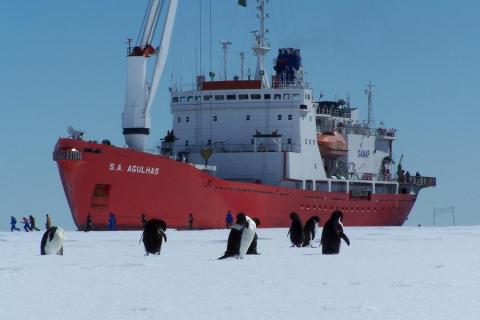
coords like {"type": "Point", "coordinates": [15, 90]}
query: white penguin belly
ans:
{"type": "Point", "coordinates": [247, 237]}
{"type": "Point", "coordinates": [52, 247]}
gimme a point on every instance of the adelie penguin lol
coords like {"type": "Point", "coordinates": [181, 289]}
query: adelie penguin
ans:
{"type": "Point", "coordinates": [153, 235]}
{"type": "Point", "coordinates": [240, 238]}
{"type": "Point", "coordinates": [253, 246]}
{"type": "Point", "coordinates": [52, 241]}
{"type": "Point", "coordinates": [296, 230]}
{"type": "Point", "coordinates": [309, 230]}
{"type": "Point", "coordinates": [332, 233]}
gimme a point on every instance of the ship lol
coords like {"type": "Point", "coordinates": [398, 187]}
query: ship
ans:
{"type": "Point", "coordinates": [256, 144]}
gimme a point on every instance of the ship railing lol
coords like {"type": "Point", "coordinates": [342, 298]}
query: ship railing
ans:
{"type": "Point", "coordinates": [283, 84]}
{"type": "Point", "coordinates": [359, 129]}
{"type": "Point", "coordinates": [221, 147]}
{"type": "Point", "coordinates": [341, 113]}
{"type": "Point", "coordinates": [183, 87]}
{"type": "Point", "coordinates": [404, 179]}
{"type": "Point", "coordinates": [418, 180]}
{"type": "Point", "coordinates": [370, 176]}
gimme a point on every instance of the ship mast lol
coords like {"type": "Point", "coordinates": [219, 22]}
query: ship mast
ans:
{"type": "Point", "coordinates": [225, 45]}
{"type": "Point", "coordinates": [140, 93]}
{"type": "Point", "coordinates": [369, 93]}
{"type": "Point", "coordinates": [260, 45]}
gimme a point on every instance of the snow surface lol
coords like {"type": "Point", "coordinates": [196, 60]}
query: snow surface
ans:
{"type": "Point", "coordinates": [386, 273]}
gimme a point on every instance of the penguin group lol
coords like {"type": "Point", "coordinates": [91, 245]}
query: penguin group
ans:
{"type": "Point", "coordinates": [242, 239]}
{"type": "Point", "coordinates": [332, 233]}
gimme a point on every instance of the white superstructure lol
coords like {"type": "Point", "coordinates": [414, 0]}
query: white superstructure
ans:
{"type": "Point", "coordinates": [275, 133]}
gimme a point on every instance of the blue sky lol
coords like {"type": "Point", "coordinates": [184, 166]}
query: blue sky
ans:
{"type": "Point", "coordinates": [63, 63]}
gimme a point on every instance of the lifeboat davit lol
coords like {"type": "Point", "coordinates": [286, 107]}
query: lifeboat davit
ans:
{"type": "Point", "coordinates": [332, 144]}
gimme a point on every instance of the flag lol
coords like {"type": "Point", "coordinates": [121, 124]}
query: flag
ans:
{"type": "Point", "coordinates": [242, 3]}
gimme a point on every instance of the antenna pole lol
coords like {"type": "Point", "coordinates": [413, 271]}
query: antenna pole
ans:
{"type": "Point", "coordinates": [242, 61]}
{"type": "Point", "coordinates": [260, 46]}
{"type": "Point", "coordinates": [225, 45]}
{"type": "Point", "coordinates": [369, 93]}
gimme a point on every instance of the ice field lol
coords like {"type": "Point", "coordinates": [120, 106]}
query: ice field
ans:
{"type": "Point", "coordinates": [386, 273]}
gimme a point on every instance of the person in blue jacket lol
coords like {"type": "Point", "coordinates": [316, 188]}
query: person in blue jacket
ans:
{"type": "Point", "coordinates": [13, 223]}
{"type": "Point", "coordinates": [228, 219]}
{"type": "Point", "coordinates": [112, 222]}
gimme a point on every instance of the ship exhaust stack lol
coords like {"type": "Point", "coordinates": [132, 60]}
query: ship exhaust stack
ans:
{"type": "Point", "coordinates": [288, 67]}
{"type": "Point", "coordinates": [140, 92]}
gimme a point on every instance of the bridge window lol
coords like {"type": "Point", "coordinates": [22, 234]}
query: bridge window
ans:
{"type": "Point", "coordinates": [219, 97]}
{"type": "Point", "coordinates": [175, 99]}
{"type": "Point", "coordinates": [207, 98]}
{"type": "Point", "coordinates": [286, 96]}
{"type": "Point", "coordinates": [277, 96]}
{"type": "Point", "coordinates": [247, 117]}
{"type": "Point", "coordinates": [187, 119]}
{"type": "Point", "coordinates": [279, 117]}
{"type": "Point", "coordinates": [215, 118]}
{"type": "Point", "coordinates": [231, 97]}
{"type": "Point", "coordinates": [290, 117]}
{"type": "Point", "coordinates": [190, 98]}
{"type": "Point", "coordinates": [255, 96]}
{"type": "Point", "coordinates": [182, 99]}
{"type": "Point", "coordinates": [267, 96]}
{"type": "Point", "coordinates": [198, 98]}
{"type": "Point", "coordinates": [243, 97]}
{"type": "Point", "coordinates": [295, 97]}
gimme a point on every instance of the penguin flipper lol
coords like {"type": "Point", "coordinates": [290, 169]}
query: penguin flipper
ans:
{"type": "Point", "coordinates": [345, 238]}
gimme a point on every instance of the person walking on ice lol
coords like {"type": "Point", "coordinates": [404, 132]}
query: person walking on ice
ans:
{"type": "Point", "coordinates": [26, 224]}
{"type": "Point", "coordinates": [13, 223]}
{"type": "Point", "coordinates": [32, 224]}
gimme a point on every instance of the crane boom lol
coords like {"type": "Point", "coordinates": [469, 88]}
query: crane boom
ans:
{"type": "Point", "coordinates": [140, 95]}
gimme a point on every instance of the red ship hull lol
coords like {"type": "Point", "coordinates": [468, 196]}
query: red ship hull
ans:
{"type": "Point", "coordinates": [99, 179]}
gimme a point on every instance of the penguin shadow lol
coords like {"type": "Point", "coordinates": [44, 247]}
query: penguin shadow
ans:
{"type": "Point", "coordinates": [312, 254]}
{"type": "Point", "coordinates": [217, 241]}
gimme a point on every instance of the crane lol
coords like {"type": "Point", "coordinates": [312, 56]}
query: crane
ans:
{"type": "Point", "coordinates": [140, 92]}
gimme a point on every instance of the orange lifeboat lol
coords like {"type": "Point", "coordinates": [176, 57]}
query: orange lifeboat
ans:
{"type": "Point", "coordinates": [332, 144]}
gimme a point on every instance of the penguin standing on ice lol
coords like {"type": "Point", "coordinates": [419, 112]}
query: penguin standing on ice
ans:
{"type": "Point", "coordinates": [240, 238]}
{"type": "Point", "coordinates": [153, 235]}
{"type": "Point", "coordinates": [296, 230]}
{"type": "Point", "coordinates": [332, 233]}
{"type": "Point", "coordinates": [309, 230]}
{"type": "Point", "coordinates": [52, 241]}
{"type": "Point", "coordinates": [253, 246]}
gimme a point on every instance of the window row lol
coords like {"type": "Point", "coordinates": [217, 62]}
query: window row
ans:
{"type": "Point", "coordinates": [252, 141]}
{"type": "Point", "coordinates": [253, 96]}
{"type": "Point", "coordinates": [247, 118]}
